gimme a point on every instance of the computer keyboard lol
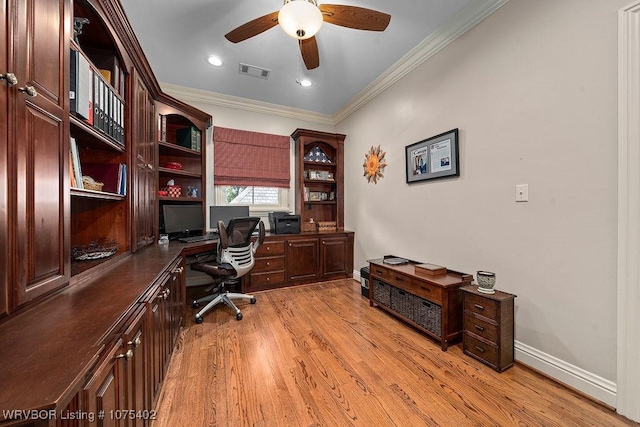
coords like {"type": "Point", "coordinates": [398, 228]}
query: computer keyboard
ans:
{"type": "Point", "coordinates": [194, 239]}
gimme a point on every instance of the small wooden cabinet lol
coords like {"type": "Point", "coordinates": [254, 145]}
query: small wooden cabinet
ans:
{"type": "Point", "coordinates": [489, 327]}
{"type": "Point", "coordinates": [268, 271]}
{"type": "Point", "coordinates": [433, 304]}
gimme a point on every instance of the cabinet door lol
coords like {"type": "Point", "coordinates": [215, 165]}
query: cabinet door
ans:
{"type": "Point", "coordinates": [135, 368]}
{"type": "Point", "coordinates": [144, 150]}
{"type": "Point", "coordinates": [302, 260]}
{"type": "Point", "coordinates": [334, 255]}
{"type": "Point", "coordinates": [39, 134]}
{"type": "Point", "coordinates": [176, 303]}
{"type": "Point", "coordinates": [103, 393]}
{"type": "Point", "coordinates": [4, 184]}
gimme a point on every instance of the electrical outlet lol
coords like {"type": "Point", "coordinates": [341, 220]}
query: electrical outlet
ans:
{"type": "Point", "coordinates": [522, 192]}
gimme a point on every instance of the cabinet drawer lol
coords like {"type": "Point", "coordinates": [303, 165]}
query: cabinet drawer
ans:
{"type": "Point", "coordinates": [482, 306]}
{"type": "Point", "coordinates": [486, 352]}
{"type": "Point", "coordinates": [270, 249]}
{"type": "Point", "coordinates": [267, 264]}
{"type": "Point", "coordinates": [427, 291]}
{"type": "Point", "coordinates": [267, 280]}
{"type": "Point", "coordinates": [478, 326]}
{"type": "Point", "coordinates": [381, 272]}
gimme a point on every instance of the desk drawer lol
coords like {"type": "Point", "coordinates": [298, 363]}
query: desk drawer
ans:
{"type": "Point", "coordinates": [269, 280]}
{"type": "Point", "coordinates": [383, 273]}
{"type": "Point", "coordinates": [427, 291]}
{"type": "Point", "coordinates": [482, 306]}
{"type": "Point", "coordinates": [486, 352]}
{"type": "Point", "coordinates": [478, 326]}
{"type": "Point", "coordinates": [268, 264]}
{"type": "Point", "coordinates": [270, 249]}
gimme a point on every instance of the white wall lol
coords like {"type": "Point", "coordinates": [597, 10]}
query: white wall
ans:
{"type": "Point", "coordinates": [533, 90]}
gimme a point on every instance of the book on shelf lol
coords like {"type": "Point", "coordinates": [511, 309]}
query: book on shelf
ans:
{"type": "Point", "coordinates": [75, 162]}
{"type": "Point", "coordinates": [188, 137]}
{"type": "Point", "coordinates": [72, 175]}
{"type": "Point", "coordinates": [110, 174]}
{"type": "Point", "coordinates": [81, 93]}
{"type": "Point", "coordinates": [162, 128]}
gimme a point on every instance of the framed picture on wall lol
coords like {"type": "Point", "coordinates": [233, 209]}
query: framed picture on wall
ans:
{"type": "Point", "coordinates": [435, 157]}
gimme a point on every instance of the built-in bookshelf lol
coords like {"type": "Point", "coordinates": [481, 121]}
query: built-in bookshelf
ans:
{"type": "Point", "coordinates": [99, 146]}
{"type": "Point", "coordinates": [320, 179]}
{"type": "Point", "coordinates": [181, 159]}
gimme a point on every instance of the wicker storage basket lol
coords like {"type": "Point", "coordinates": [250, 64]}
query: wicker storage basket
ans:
{"type": "Point", "coordinates": [89, 184]}
{"type": "Point", "coordinates": [327, 226]}
{"type": "Point", "coordinates": [309, 226]}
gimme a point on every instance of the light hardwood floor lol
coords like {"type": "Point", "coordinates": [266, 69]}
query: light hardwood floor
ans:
{"type": "Point", "coordinates": [318, 355]}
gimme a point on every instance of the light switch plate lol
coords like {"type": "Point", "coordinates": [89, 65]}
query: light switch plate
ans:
{"type": "Point", "coordinates": [522, 192]}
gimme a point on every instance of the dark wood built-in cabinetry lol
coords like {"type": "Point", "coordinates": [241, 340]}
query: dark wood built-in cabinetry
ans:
{"type": "Point", "coordinates": [100, 331]}
{"type": "Point", "coordinates": [433, 304]}
{"type": "Point", "coordinates": [320, 177]}
{"type": "Point", "coordinates": [295, 259]}
{"type": "Point", "coordinates": [489, 327]}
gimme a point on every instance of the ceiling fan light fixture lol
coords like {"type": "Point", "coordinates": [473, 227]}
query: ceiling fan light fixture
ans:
{"type": "Point", "coordinates": [301, 19]}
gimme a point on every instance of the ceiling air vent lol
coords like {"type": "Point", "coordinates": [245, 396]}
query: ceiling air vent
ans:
{"type": "Point", "coordinates": [252, 70]}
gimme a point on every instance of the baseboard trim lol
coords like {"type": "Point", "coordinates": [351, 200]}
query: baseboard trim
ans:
{"type": "Point", "coordinates": [586, 382]}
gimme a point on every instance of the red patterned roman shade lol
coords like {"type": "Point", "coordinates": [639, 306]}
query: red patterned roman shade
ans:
{"type": "Point", "coordinates": [242, 158]}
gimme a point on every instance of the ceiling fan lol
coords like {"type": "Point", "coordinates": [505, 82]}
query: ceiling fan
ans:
{"type": "Point", "coordinates": [302, 19]}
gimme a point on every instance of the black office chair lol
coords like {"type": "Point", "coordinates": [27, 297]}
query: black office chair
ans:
{"type": "Point", "coordinates": [235, 258]}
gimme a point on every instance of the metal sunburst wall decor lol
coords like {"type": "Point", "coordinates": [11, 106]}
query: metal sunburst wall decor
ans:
{"type": "Point", "coordinates": [374, 164]}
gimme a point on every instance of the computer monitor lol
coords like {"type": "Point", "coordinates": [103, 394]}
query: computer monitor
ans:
{"type": "Point", "coordinates": [182, 218]}
{"type": "Point", "coordinates": [225, 214]}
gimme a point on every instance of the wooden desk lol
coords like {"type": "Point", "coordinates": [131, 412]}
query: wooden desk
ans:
{"type": "Point", "coordinates": [432, 304]}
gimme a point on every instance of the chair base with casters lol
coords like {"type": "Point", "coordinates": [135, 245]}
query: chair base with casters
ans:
{"type": "Point", "coordinates": [235, 259]}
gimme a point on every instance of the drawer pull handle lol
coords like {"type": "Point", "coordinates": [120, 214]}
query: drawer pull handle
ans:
{"type": "Point", "coordinates": [126, 356]}
{"type": "Point", "coordinates": [478, 327]}
{"type": "Point", "coordinates": [269, 247]}
{"type": "Point", "coordinates": [425, 289]}
{"type": "Point", "coordinates": [136, 342]}
{"type": "Point", "coordinates": [268, 264]}
{"type": "Point", "coordinates": [478, 306]}
{"type": "Point", "coordinates": [480, 349]}
{"type": "Point", "coordinates": [267, 279]}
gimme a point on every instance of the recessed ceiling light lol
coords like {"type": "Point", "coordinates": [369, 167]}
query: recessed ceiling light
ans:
{"type": "Point", "coordinates": [305, 82]}
{"type": "Point", "coordinates": [215, 61]}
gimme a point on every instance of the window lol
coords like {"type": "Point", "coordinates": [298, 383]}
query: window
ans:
{"type": "Point", "coordinates": [251, 168]}
{"type": "Point", "coordinates": [258, 198]}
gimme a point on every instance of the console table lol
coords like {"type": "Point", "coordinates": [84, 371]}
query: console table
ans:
{"type": "Point", "coordinates": [433, 304]}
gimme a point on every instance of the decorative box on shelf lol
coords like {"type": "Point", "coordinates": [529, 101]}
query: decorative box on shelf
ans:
{"type": "Point", "coordinates": [172, 190]}
{"type": "Point", "coordinates": [430, 270]}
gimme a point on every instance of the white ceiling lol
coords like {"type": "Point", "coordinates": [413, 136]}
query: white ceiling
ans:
{"type": "Point", "coordinates": [178, 36]}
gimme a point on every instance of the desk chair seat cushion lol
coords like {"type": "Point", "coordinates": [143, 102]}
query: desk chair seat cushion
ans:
{"type": "Point", "coordinates": [223, 269]}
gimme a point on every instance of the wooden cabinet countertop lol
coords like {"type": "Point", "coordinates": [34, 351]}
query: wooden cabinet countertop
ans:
{"type": "Point", "coordinates": [48, 349]}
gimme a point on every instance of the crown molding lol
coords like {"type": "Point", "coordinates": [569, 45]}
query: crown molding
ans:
{"type": "Point", "coordinates": [470, 15]}
{"type": "Point", "coordinates": [227, 101]}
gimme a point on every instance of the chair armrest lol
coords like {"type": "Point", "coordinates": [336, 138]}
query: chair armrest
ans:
{"type": "Point", "coordinates": [260, 237]}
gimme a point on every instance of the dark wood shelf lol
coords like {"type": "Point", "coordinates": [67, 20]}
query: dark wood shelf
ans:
{"type": "Point", "coordinates": [178, 172]}
{"type": "Point", "coordinates": [175, 148]}
{"type": "Point", "coordinates": [93, 138]}
{"type": "Point", "coordinates": [321, 202]}
{"type": "Point", "coordinates": [79, 192]}
{"type": "Point", "coordinates": [180, 199]}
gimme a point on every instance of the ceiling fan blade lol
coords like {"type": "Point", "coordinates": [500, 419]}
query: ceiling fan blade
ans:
{"type": "Point", "coordinates": [355, 17]}
{"type": "Point", "coordinates": [253, 28]}
{"type": "Point", "coordinates": [309, 51]}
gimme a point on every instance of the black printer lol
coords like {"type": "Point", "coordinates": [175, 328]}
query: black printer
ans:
{"type": "Point", "coordinates": [284, 223]}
